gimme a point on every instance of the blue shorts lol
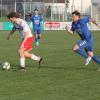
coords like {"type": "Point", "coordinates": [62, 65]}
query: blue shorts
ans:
{"type": "Point", "coordinates": [37, 31]}
{"type": "Point", "coordinates": [88, 45]}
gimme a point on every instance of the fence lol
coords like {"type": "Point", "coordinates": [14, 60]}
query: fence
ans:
{"type": "Point", "coordinates": [50, 11]}
{"type": "Point", "coordinates": [95, 9]}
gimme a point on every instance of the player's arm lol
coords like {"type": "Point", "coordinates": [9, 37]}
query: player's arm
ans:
{"type": "Point", "coordinates": [94, 22]}
{"type": "Point", "coordinates": [11, 32]}
{"type": "Point", "coordinates": [69, 31]}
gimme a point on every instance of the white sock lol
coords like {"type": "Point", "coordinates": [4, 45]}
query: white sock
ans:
{"type": "Point", "coordinates": [34, 57]}
{"type": "Point", "coordinates": [22, 62]}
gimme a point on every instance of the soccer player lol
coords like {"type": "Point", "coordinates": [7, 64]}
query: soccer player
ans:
{"type": "Point", "coordinates": [36, 21]}
{"type": "Point", "coordinates": [26, 39]}
{"type": "Point", "coordinates": [84, 46]}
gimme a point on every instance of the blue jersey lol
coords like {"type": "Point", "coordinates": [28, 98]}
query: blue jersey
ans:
{"type": "Point", "coordinates": [81, 28]}
{"type": "Point", "coordinates": [36, 20]}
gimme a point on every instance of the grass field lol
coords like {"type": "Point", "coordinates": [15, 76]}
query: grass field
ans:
{"type": "Point", "coordinates": [63, 75]}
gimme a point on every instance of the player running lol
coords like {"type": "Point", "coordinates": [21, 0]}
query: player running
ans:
{"type": "Point", "coordinates": [84, 46]}
{"type": "Point", "coordinates": [36, 21]}
{"type": "Point", "coordinates": [26, 39]}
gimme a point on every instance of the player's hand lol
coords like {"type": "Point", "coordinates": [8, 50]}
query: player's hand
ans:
{"type": "Point", "coordinates": [69, 30]}
{"type": "Point", "coordinates": [66, 27]}
{"type": "Point", "coordinates": [98, 26]}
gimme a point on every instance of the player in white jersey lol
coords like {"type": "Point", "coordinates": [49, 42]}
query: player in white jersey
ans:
{"type": "Point", "coordinates": [26, 39]}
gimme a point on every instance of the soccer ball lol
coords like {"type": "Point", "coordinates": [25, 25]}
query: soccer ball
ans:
{"type": "Point", "coordinates": [6, 65]}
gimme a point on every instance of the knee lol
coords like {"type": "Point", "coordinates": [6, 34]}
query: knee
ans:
{"type": "Point", "coordinates": [25, 53]}
{"type": "Point", "coordinates": [75, 48]}
{"type": "Point", "coordinates": [20, 51]}
{"type": "Point", "coordinates": [90, 54]}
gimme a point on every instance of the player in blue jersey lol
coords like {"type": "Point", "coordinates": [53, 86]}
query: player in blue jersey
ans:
{"type": "Point", "coordinates": [84, 46]}
{"type": "Point", "coordinates": [36, 21]}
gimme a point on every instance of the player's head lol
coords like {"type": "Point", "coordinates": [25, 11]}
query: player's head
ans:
{"type": "Point", "coordinates": [75, 16]}
{"type": "Point", "coordinates": [36, 11]}
{"type": "Point", "coordinates": [13, 16]}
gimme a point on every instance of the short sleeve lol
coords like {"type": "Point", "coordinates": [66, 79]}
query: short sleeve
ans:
{"type": "Point", "coordinates": [72, 28]}
{"type": "Point", "coordinates": [86, 19]}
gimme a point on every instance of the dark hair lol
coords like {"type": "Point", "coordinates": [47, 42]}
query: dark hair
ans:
{"type": "Point", "coordinates": [36, 10]}
{"type": "Point", "coordinates": [13, 14]}
{"type": "Point", "coordinates": [77, 13]}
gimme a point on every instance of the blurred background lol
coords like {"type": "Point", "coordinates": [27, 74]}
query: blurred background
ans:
{"type": "Point", "coordinates": [52, 10]}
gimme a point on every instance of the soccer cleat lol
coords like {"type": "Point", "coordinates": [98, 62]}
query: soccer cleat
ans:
{"type": "Point", "coordinates": [87, 61]}
{"type": "Point", "coordinates": [40, 62]}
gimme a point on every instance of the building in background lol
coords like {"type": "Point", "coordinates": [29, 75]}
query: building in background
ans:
{"type": "Point", "coordinates": [84, 6]}
{"type": "Point", "coordinates": [95, 9]}
{"type": "Point", "coordinates": [54, 10]}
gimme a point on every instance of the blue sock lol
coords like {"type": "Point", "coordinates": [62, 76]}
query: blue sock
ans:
{"type": "Point", "coordinates": [82, 53]}
{"type": "Point", "coordinates": [96, 59]}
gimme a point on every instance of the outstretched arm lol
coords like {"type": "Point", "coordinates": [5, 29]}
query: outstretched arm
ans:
{"type": "Point", "coordinates": [68, 29]}
{"type": "Point", "coordinates": [94, 22]}
{"type": "Point", "coordinates": [11, 33]}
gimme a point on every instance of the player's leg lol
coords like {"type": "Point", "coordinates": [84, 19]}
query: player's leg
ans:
{"type": "Point", "coordinates": [35, 34]}
{"type": "Point", "coordinates": [91, 55]}
{"type": "Point", "coordinates": [31, 56]}
{"type": "Point", "coordinates": [38, 37]}
{"type": "Point", "coordinates": [28, 48]}
{"type": "Point", "coordinates": [22, 57]}
{"type": "Point", "coordinates": [79, 48]}
{"type": "Point", "coordinates": [88, 59]}
{"type": "Point", "coordinates": [22, 50]}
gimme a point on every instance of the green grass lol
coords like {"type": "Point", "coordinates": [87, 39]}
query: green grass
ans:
{"type": "Point", "coordinates": [3, 19]}
{"type": "Point", "coordinates": [63, 75]}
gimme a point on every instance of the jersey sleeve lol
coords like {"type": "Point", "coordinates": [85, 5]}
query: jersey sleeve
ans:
{"type": "Point", "coordinates": [86, 19]}
{"type": "Point", "coordinates": [72, 28]}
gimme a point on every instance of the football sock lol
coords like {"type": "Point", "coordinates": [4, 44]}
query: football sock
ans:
{"type": "Point", "coordinates": [96, 59]}
{"type": "Point", "coordinates": [34, 57]}
{"type": "Point", "coordinates": [82, 53]}
{"type": "Point", "coordinates": [22, 62]}
{"type": "Point", "coordinates": [38, 37]}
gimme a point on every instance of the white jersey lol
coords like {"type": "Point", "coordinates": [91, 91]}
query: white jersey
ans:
{"type": "Point", "coordinates": [22, 27]}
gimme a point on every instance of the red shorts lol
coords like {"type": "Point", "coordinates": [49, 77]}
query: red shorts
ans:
{"type": "Point", "coordinates": [28, 44]}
